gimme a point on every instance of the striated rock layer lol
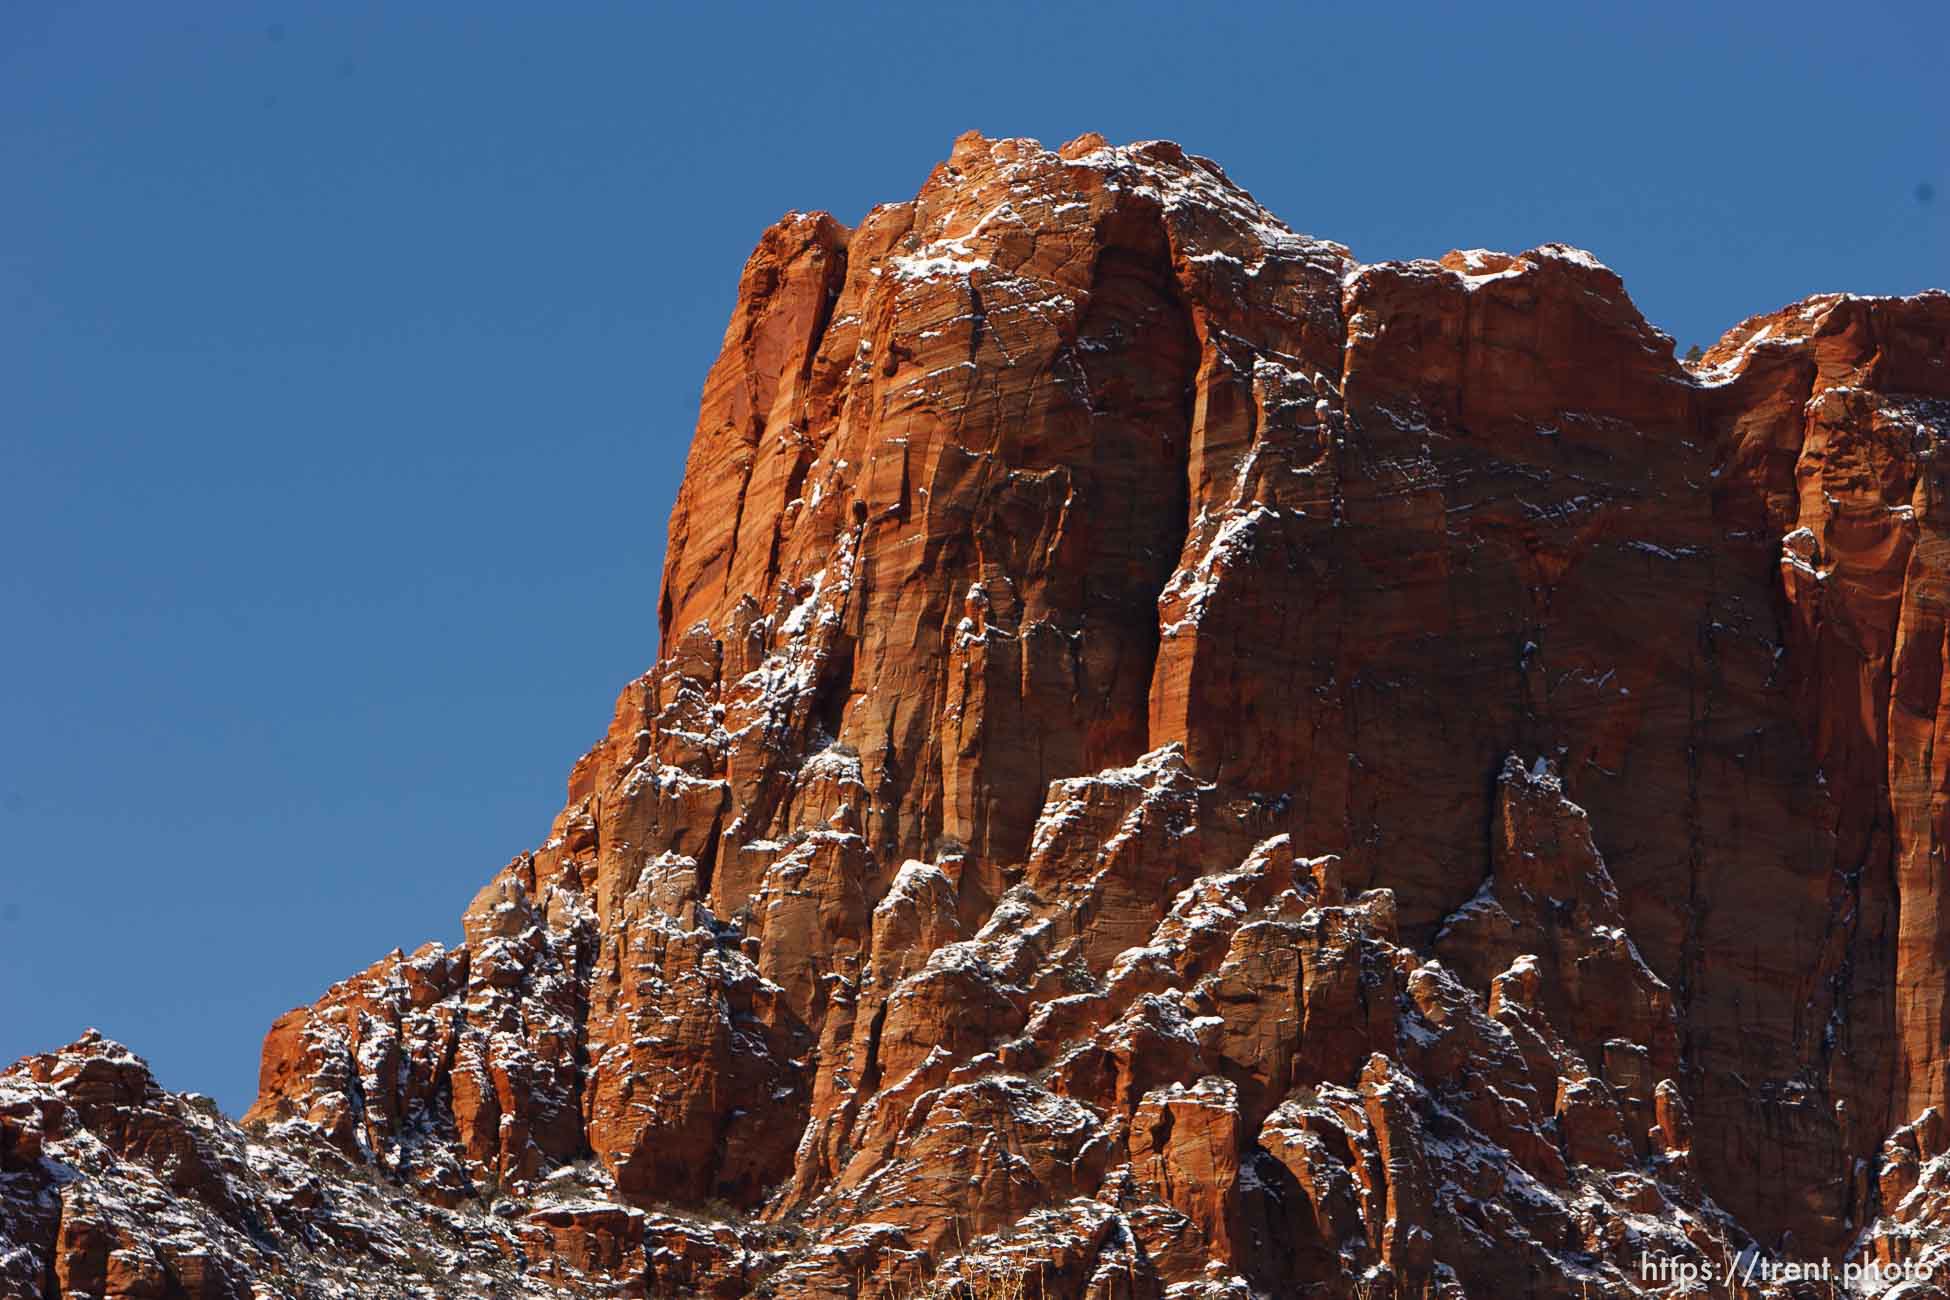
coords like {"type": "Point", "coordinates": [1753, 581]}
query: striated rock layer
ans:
{"type": "Point", "coordinates": [1184, 763]}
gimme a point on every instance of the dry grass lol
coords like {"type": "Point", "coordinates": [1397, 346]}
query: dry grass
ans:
{"type": "Point", "coordinates": [987, 1280]}
{"type": "Point", "coordinates": [1000, 1282]}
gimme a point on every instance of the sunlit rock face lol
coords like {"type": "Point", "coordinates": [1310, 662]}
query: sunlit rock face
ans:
{"type": "Point", "coordinates": [1180, 762]}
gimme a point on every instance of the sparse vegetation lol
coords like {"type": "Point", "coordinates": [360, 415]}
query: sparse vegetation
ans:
{"type": "Point", "coordinates": [997, 1282]}
{"type": "Point", "coordinates": [985, 1280]}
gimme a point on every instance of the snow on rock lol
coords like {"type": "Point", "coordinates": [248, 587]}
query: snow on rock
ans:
{"type": "Point", "coordinates": [1069, 843]}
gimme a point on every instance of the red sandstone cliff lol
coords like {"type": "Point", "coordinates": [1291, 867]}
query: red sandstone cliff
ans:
{"type": "Point", "coordinates": [1181, 762]}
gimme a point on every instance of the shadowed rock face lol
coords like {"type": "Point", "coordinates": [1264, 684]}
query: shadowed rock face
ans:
{"type": "Point", "coordinates": [1180, 760]}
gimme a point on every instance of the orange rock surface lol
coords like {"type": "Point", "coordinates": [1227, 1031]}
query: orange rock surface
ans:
{"type": "Point", "coordinates": [1183, 762]}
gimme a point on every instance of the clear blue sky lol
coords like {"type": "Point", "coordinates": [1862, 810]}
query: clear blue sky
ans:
{"type": "Point", "coordinates": [349, 354]}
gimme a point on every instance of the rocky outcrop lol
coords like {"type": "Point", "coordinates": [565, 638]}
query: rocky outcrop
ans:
{"type": "Point", "coordinates": [1180, 762]}
{"type": "Point", "coordinates": [111, 1187]}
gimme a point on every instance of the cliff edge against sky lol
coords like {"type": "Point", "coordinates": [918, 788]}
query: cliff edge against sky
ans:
{"type": "Point", "coordinates": [1179, 763]}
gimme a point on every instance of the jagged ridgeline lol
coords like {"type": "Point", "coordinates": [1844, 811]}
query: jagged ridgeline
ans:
{"type": "Point", "coordinates": [1179, 763]}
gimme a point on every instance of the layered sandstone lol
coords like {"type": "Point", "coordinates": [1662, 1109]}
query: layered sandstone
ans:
{"type": "Point", "coordinates": [1180, 761]}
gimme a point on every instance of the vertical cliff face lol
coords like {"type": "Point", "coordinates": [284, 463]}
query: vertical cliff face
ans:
{"type": "Point", "coordinates": [1180, 759]}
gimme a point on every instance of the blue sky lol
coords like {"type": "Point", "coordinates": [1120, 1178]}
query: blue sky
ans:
{"type": "Point", "coordinates": [350, 353]}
